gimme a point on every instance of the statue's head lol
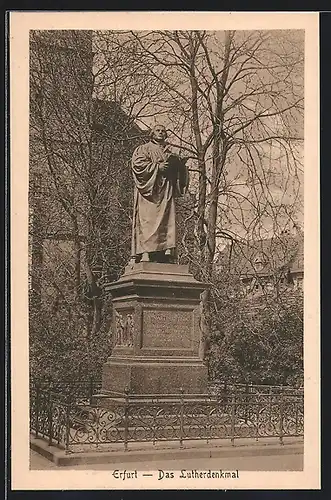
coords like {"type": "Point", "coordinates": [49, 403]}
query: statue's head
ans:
{"type": "Point", "coordinates": [159, 133]}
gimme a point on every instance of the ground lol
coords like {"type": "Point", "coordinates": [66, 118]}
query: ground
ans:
{"type": "Point", "coordinates": [252, 463]}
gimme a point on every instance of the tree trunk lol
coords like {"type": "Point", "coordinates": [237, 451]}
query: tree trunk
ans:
{"type": "Point", "coordinates": [36, 237]}
{"type": "Point", "coordinates": [218, 161]}
{"type": "Point", "coordinates": [201, 164]}
{"type": "Point", "coordinates": [77, 259]}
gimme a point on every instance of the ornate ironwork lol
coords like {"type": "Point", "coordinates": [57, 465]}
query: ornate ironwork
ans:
{"type": "Point", "coordinates": [79, 427]}
{"type": "Point", "coordinates": [77, 391]}
{"type": "Point", "coordinates": [218, 388]}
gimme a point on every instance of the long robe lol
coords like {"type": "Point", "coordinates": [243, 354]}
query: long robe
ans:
{"type": "Point", "coordinates": [154, 217]}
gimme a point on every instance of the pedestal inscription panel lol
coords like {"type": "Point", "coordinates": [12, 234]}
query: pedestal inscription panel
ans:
{"type": "Point", "coordinates": [167, 328]}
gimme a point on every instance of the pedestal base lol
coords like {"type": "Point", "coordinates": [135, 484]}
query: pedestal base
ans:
{"type": "Point", "coordinates": [154, 375]}
{"type": "Point", "coordinates": [156, 325]}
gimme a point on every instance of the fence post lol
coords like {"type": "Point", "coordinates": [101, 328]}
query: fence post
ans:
{"type": "Point", "coordinates": [233, 417]}
{"type": "Point", "coordinates": [250, 393]}
{"type": "Point", "coordinates": [91, 390]}
{"type": "Point", "coordinates": [50, 417]}
{"type": "Point", "coordinates": [296, 414]}
{"type": "Point", "coordinates": [270, 401]}
{"type": "Point", "coordinates": [281, 418]}
{"type": "Point", "coordinates": [67, 427]}
{"type": "Point", "coordinates": [126, 418]}
{"type": "Point", "coordinates": [258, 396]}
{"type": "Point", "coordinates": [37, 408]}
{"type": "Point", "coordinates": [246, 403]}
{"type": "Point", "coordinates": [181, 418]}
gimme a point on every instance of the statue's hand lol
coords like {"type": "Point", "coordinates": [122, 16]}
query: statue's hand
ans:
{"type": "Point", "coordinates": [164, 167]}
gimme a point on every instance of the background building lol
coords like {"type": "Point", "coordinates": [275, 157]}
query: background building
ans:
{"type": "Point", "coordinates": [270, 266]}
{"type": "Point", "coordinates": [80, 183]}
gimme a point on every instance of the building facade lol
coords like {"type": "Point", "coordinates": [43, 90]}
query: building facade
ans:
{"type": "Point", "coordinates": [266, 266]}
{"type": "Point", "coordinates": [80, 182]}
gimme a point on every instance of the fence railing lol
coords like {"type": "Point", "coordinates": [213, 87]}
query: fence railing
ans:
{"type": "Point", "coordinates": [78, 391]}
{"type": "Point", "coordinates": [225, 388]}
{"type": "Point", "coordinates": [77, 424]}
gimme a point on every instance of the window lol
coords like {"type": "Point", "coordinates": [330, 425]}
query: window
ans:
{"type": "Point", "coordinates": [259, 263]}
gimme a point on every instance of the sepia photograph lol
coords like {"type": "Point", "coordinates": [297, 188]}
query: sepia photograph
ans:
{"type": "Point", "coordinates": [166, 253]}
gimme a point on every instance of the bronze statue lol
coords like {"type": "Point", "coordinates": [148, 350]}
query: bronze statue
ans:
{"type": "Point", "coordinates": [159, 177]}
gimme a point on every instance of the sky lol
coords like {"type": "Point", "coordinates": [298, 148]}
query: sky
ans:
{"type": "Point", "coordinates": [284, 171]}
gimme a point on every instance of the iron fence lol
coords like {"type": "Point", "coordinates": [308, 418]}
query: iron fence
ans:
{"type": "Point", "coordinates": [74, 391]}
{"type": "Point", "coordinates": [78, 424]}
{"type": "Point", "coordinates": [223, 388]}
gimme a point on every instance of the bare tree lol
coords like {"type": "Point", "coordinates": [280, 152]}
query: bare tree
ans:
{"type": "Point", "coordinates": [235, 102]}
{"type": "Point", "coordinates": [80, 182]}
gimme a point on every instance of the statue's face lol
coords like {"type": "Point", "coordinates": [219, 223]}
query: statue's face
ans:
{"type": "Point", "coordinates": [159, 133]}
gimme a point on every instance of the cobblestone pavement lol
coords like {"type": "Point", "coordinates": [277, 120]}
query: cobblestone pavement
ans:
{"type": "Point", "coordinates": [252, 463]}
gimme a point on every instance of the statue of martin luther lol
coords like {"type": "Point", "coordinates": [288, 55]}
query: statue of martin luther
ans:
{"type": "Point", "coordinates": [159, 177]}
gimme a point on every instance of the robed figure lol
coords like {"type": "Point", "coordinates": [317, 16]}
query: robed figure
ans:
{"type": "Point", "coordinates": [159, 177]}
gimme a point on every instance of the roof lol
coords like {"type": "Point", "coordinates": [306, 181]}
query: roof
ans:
{"type": "Point", "coordinates": [265, 256]}
{"type": "Point", "coordinates": [109, 116]}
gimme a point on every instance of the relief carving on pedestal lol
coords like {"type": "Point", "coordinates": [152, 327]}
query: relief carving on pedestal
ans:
{"type": "Point", "coordinates": [123, 329]}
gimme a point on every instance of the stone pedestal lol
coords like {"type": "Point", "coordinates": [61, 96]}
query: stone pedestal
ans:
{"type": "Point", "coordinates": [157, 332]}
